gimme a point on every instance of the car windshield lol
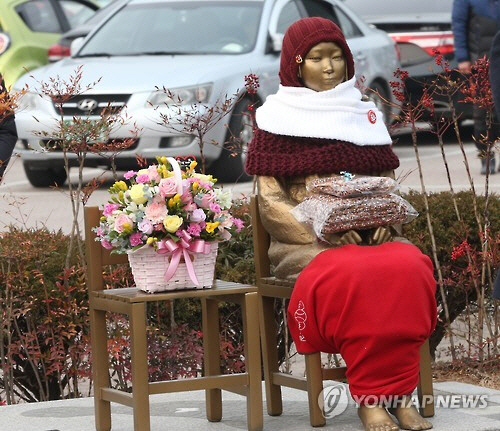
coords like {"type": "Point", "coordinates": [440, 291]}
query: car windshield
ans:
{"type": "Point", "coordinates": [396, 7]}
{"type": "Point", "coordinates": [176, 28]}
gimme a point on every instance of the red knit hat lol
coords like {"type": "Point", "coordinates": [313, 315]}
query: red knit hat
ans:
{"type": "Point", "coordinates": [300, 37]}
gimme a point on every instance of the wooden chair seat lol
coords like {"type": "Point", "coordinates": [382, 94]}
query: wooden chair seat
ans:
{"type": "Point", "coordinates": [132, 303]}
{"type": "Point", "coordinates": [270, 289]}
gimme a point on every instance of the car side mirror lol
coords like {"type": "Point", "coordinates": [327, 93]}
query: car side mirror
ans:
{"type": "Point", "coordinates": [75, 46]}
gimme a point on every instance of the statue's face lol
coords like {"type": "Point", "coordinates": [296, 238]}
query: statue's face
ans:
{"type": "Point", "coordinates": [324, 67]}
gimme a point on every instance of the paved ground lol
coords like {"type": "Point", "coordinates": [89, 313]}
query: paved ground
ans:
{"type": "Point", "coordinates": [186, 411]}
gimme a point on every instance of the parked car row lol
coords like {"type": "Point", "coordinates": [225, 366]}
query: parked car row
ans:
{"type": "Point", "coordinates": [200, 51]}
{"type": "Point", "coordinates": [419, 28]}
{"type": "Point", "coordinates": [29, 27]}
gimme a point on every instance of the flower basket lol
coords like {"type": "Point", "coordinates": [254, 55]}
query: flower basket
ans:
{"type": "Point", "coordinates": [169, 222]}
{"type": "Point", "coordinates": [154, 271]}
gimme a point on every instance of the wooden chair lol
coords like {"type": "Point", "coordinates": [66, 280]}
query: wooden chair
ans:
{"type": "Point", "coordinates": [271, 288]}
{"type": "Point", "coordinates": [132, 302]}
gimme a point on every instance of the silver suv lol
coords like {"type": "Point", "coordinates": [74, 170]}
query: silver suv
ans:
{"type": "Point", "coordinates": [199, 50]}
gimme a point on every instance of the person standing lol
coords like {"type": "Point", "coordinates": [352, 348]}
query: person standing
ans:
{"type": "Point", "coordinates": [8, 133]}
{"type": "Point", "coordinates": [495, 90]}
{"type": "Point", "coordinates": [474, 24]}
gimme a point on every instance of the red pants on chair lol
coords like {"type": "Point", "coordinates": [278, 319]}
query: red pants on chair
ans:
{"type": "Point", "coordinates": [375, 305]}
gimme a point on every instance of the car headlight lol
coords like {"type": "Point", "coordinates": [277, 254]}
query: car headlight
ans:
{"type": "Point", "coordinates": [27, 101]}
{"type": "Point", "coordinates": [180, 96]}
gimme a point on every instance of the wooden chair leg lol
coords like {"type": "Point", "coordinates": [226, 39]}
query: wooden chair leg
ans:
{"type": "Point", "coordinates": [269, 330]}
{"type": "Point", "coordinates": [100, 368]}
{"type": "Point", "coordinates": [211, 354]}
{"type": "Point", "coordinates": [424, 388]}
{"type": "Point", "coordinates": [140, 375]}
{"type": "Point", "coordinates": [250, 312]}
{"type": "Point", "coordinates": [314, 378]}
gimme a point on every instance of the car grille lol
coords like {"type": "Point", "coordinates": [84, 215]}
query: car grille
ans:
{"type": "Point", "coordinates": [55, 146]}
{"type": "Point", "coordinates": [93, 104]}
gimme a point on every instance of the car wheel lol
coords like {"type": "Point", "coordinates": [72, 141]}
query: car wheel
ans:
{"type": "Point", "coordinates": [45, 177]}
{"type": "Point", "coordinates": [378, 95]}
{"type": "Point", "coordinates": [230, 166]}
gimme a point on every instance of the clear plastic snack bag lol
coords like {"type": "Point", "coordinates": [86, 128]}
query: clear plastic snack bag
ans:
{"type": "Point", "coordinates": [329, 214]}
{"type": "Point", "coordinates": [350, 186]}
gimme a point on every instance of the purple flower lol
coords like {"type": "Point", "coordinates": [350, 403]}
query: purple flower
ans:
{"type": "Point", "coordinates": [146, 227]}
{"type": "Point", "coordinates": [197, 215]}
{"type": "Point", "coordinates": [136, 239]}
{"type": "Point", "coordinates": [129, 175]}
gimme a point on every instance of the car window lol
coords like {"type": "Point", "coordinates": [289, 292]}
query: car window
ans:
{"type": "Point", "coordinates": [76, 12]}
{"type": "Point", "coordinates": [320, 8]}
{"type": "Point", "coordinates": [39, 16]}
{"type": "Point", "coordinates": [288, 15]}
{"type": "Point", "coordinates": [195, 27]}
{"type": "Point", "coordinates": [348, 26]}
{"type": "Point", "coordinates": [370, 7]}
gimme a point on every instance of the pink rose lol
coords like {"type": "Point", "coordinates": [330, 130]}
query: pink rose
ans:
{"type": "Point", "coordinates": [123, 223]}
{"type": "Point", "coordinates": [206, 199]}
{"type": "Point", "coordinates": [167, 187]}
{"type": "Point", "coordinates": [156, 212]}
{"type": "Point", "coordinates": [153, 173]}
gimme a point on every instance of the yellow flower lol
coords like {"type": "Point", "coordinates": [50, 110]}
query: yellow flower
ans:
{"type": "Point", "coordinates": [120, 185]}
{"type": "Point", "coordinates": [137, 194]}
{"type": "Point", "coordinates": [193, 165]}
{"type": "Point", "coordinates": [172, 223]}
{"type": "Point", "coordinates": [150, 240]}
{"type": "Point", "coordinates": [204, 178]}
{"type": "Point", "coordinates": [212, 226]}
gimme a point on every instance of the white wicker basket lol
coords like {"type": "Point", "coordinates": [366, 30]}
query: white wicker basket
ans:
{"type": "Point", "coordinates": [149, 267]}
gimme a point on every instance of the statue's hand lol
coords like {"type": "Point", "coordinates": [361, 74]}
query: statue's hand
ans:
{"type": "Point", "coordinates": [380, 235]}
{"type": "Point", "coordinates": [349, 237]}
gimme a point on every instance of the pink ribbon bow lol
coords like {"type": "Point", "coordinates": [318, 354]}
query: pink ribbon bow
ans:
{"type": "Point", "coordinates": [182, 248]}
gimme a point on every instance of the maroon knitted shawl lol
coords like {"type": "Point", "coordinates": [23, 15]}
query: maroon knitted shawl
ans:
{"type": "Point", "coordinates": [287, 156]}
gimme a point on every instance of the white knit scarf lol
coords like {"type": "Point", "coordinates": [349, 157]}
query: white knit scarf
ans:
{"type": "Point", "coordinates": [338, 113]}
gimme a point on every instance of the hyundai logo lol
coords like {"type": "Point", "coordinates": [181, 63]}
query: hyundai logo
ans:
{"type": "Point", "coordinates": [87, 105]}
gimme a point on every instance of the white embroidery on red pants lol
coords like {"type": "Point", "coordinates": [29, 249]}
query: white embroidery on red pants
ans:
{"type": "Point", "coordinates": [300, 316]}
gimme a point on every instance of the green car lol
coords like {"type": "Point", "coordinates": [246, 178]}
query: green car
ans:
{"type": "Point", "coordinates": [29, 27]}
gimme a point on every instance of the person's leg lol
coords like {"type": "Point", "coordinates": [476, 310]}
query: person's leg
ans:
{"type": "Point", "coordinates": [8, 138]}
{"type": "Point", "coordinates": [376, 310]}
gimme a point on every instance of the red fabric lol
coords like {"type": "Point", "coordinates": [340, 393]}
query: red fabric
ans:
{"type": "Point", "coordinates": [282, 156]}
{"type": "Point", "coordinates": [375, 305]}
{"type": "Point", "coordinates": [300, 37]}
